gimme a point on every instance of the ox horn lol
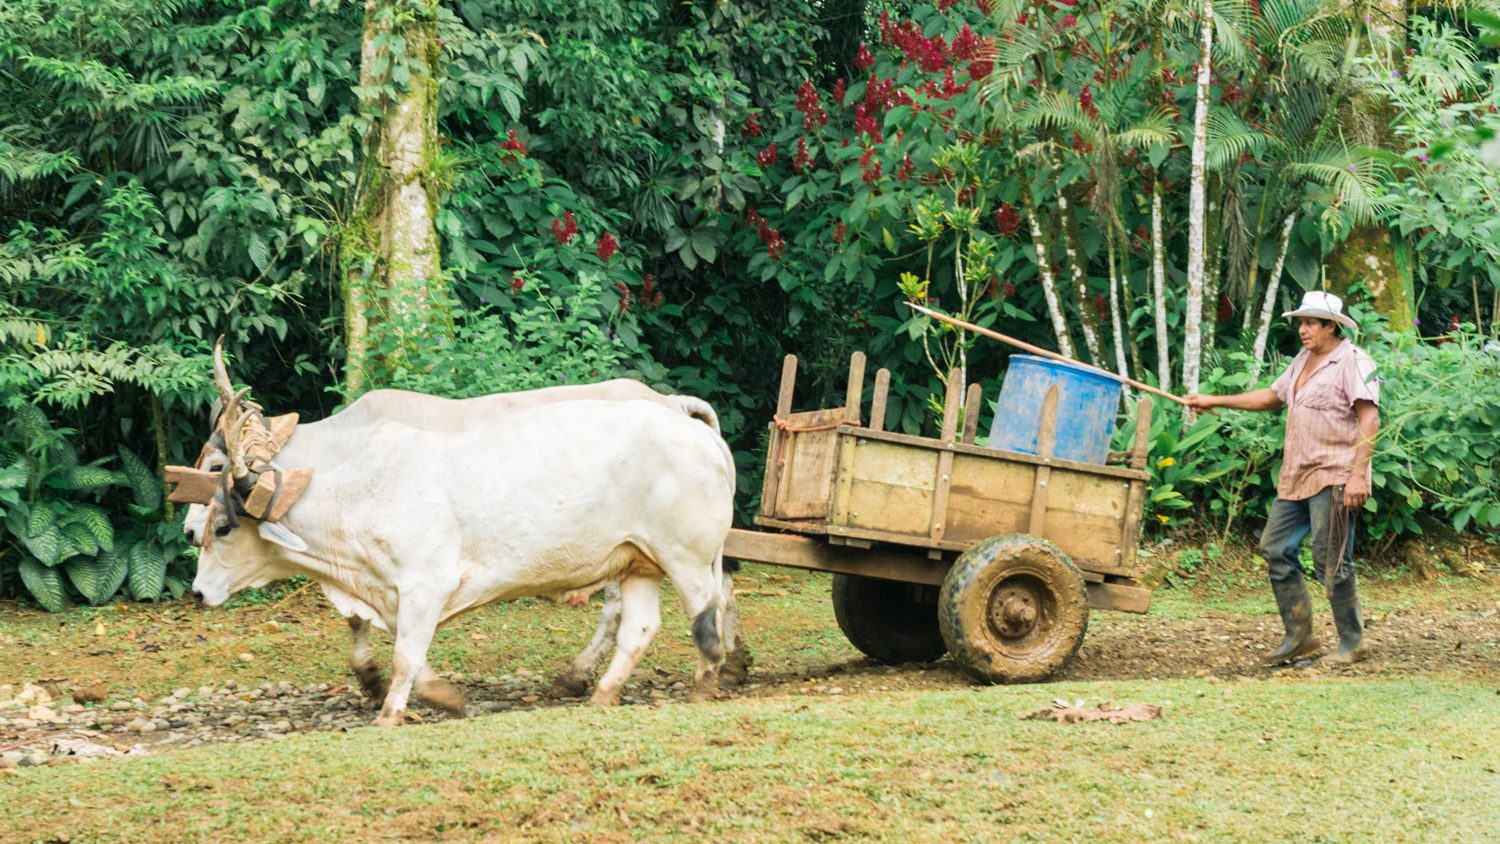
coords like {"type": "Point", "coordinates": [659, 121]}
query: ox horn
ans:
{"type": "Point", "coordinates": [234, 421]}
{"type": "Point", "coordinates": [221, 374]}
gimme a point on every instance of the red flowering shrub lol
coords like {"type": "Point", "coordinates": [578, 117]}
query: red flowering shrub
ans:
{"type": "Point", "coordinates": [607, 246]}
{"type": "Point", "coordinates": [563, 230]}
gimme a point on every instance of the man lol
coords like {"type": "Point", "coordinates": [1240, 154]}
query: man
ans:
{"type": "Point", "coordinates": [1332, 419]}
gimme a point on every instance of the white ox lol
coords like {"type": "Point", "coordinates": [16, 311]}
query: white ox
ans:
{"type": "Point", "coordinates": [412, 526]}
{"type": "Point", "coordinates": [346, 431]}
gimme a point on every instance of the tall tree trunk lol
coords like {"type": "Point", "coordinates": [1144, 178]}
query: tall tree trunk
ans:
{"type": "Point", "coordinates": [1258, 352]}
{"type": "Point", "coordinates": [1159, 290]}
{"type": "Point", "coordinates": [1213, 251]}
{"type": "Point", "coordinates": [1114, 311]}
{"type": "Point", "coordinates": [1078, 277]}
{"type": "Point", "coordinates": [395, 297]}
{"type": "Point", "coordinates": [1044, 272]}
{"type": "Point", "coordinates": [1192, 348]}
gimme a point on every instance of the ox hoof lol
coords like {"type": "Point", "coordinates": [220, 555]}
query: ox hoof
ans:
{"type": "Point", "coordinates": [444, 696]}
{"type": "Point", "coordinates": [736, 668]}
{"type": "Point", "coordinates": [571, 684]}
{"type": "Point", "coordinates": [605, 697]}
{"type": "Point", "coordinates": [704, 690]}
{"type": "Point", "coordinates": [374, 685]}
{"type": "Point", "coordinates": [389, 720]}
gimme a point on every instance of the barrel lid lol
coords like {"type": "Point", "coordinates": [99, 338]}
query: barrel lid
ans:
{"type": "Point", "coordinates": [1071, 367]}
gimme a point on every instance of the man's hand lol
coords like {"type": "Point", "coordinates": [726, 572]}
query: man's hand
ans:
{"type": "Point", "coordinates": [1202, 402]}
{"type": "Point", "coordinates": [1356, 492]}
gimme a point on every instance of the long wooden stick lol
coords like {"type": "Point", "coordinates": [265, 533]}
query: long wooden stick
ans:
{"type": "Point", "coordinates": [1020, 344]}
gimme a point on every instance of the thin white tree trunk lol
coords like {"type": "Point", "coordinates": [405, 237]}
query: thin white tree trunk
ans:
{"type": "Point", "coordinates": [1159, 290]}
{"type": "Point", "coordinates": [1211, 283]}
{"type": "Point", "coordinates": [1192, 347]}
{"type": "Point", "coordinates": [1049, 283]}
{"type": "Point", "coordinates": [1115, 323]}
{"type": "Point", "coordinates": [1258, 352]}
{"type": "Point", "coordinates": [1088, 318]}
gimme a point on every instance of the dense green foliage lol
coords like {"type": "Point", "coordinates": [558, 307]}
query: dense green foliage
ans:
{"type": "Point", "coordinates": [686, 192]}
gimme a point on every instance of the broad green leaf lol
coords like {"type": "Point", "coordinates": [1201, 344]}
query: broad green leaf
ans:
{"type": "Point", "coordinates": [145, 486]}
{"type": "Point", "coordinates": [39, 519]}
{"type": "Point", "coordinates": [147, 569]}
{"type": "Point", "coordinates": [260, 253]}
{"type": "Point", "coordinates": [14, 476]}
{"type": "Point", "coordinates": [46, 546]}
{"type": "Point", "coordinates": [98, 524]}
{"type": "Point", "coordinates": [45, 584]}
{"type": "Point", "coordinates": [90, 477]}
{"type": "Point", "coordinates": [84, 572]}
{"type": "Point", "coordinates": [80, 538]}
{"type": "Point", "coordinates": [112, 571]}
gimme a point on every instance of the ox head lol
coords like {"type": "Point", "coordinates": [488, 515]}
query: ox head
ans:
{"type": "Point", "coordinates": [240, 434]}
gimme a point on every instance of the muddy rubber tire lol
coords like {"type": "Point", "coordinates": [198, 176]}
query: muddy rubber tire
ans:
{"type": "Point", "coordinates": [888, 621]}
{"type": "Point", "coordinates": [1013, 609]}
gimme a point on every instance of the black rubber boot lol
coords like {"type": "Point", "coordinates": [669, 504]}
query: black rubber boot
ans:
{"type": "Point", "coordinates": [1350, 624]}
{"type": "Point", "coordinates": [1296, 616]}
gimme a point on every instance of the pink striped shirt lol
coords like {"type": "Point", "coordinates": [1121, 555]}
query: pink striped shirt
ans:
{"type": "Point", "coordinates": [1321, 428]}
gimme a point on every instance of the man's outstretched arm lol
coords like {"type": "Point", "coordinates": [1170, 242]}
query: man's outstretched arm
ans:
{"type": "Point", "coordinates": [1262, 399]}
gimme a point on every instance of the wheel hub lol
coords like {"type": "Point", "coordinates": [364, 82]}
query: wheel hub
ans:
{"type": "Point", "coordinates": [1015, 610]}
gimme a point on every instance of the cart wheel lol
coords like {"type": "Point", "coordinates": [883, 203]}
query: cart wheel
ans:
{"type": "Point", "coordinates": [887, 620]}
{"type": "Point", "coordinates": [1013, 609]}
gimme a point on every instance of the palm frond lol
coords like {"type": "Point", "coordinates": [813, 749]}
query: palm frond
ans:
{"type": "Point", "coordinates": [1151, 130]}
{"type": "Point", "coordinates": [1230, 138]}
{"type": "Point", "coordinates": [1353, 179]}
{"type": "Point", "coordinates": [1059, 112]}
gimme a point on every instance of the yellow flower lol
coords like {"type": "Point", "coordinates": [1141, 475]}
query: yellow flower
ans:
{"type": "Point", "coordinates": [1164, 519]}
{"type": "Point", "coordinates": [1165, 462]}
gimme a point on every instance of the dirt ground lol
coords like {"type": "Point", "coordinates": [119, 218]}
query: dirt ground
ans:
{"type": "Point", "coordinates": [148, 679]}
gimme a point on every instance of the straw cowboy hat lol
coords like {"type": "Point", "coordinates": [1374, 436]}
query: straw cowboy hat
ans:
{"type": "Point", "coordinates": [1316, 303]}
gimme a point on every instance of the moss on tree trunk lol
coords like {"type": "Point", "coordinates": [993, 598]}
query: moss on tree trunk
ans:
{"type": "Point", "coordinates": [1382, 263]}
{"type": "Point", "coordinates": [395, 298]}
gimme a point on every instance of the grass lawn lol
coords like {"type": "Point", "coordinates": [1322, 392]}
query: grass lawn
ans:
{"type": "Point", "coordinates": [1277, 759]}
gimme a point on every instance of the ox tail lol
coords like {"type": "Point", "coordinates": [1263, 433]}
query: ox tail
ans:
{"type": "Point", "coordinates": [700, 410]}
{"type": "Point", "coordinates": [706, 632]}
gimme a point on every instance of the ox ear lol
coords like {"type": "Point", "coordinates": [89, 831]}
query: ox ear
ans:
{"type": "Point", "coordinates": [277, 533]}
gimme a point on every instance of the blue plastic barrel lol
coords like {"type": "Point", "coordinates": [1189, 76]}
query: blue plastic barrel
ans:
{"type": "Point", "coordinates": [1087, 404]}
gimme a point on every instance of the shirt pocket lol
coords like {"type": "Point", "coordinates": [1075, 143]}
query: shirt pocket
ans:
{"type": "Point", "coordinates": [1322, 393]}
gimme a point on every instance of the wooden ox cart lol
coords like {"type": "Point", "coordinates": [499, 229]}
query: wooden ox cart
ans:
{"type": "Point", "coordinates": [943, 545]}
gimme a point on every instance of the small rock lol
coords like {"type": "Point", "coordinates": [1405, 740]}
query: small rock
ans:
{"type": "Point", "coordinates": [41, 714]}
{"type": "Point", "coordinates": [247, 657]}
{"type": "Point", "coordinates": [33, 696]}
{"type": "Point", "coordinates": [182, 693]}
{"type": "Point", "coordinates": [74, 708]}
{"type": "Point", "coordinates": [91, 694]}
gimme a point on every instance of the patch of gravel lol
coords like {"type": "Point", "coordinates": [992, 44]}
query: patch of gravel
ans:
{"type": "Point", "coordinates": [40, 726]}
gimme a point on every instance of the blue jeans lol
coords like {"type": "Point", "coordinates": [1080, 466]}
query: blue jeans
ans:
{"type": "Point", "coordinates": [1291, 522]}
